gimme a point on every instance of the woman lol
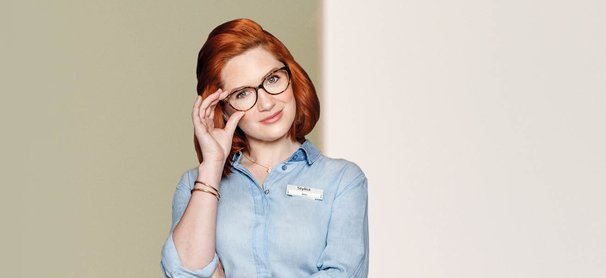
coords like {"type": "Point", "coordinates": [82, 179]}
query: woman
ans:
{"type": "Point", "coordinates": [263, 202]}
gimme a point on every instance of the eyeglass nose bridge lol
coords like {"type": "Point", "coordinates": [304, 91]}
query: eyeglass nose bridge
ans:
{"type": "Point", "coordinates": [268, 92]}
{"type": "Point", "coordinates": [269, 96]}
{"type": "Point", "coordinates": [259, 88]}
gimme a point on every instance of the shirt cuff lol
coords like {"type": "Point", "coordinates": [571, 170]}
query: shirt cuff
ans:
{"type": "Point", "coordinates": [172, 266]}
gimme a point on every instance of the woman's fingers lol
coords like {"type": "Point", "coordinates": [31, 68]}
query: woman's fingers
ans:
{"type": "Point", "coordinates": [203, 108]}
{"type": "Point", "coordinates": [203, 113]}
{"type": "Point", "coordinates": [210, 112]}
{"type": "Point", "coordinates": [195, 114]}
{"type": "Point", "coordinates": [207, 101]}
{"type": "Point", "coordinates": [232, 122]}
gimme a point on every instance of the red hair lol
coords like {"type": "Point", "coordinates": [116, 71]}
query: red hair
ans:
{"type": "Point", "coordinates": [233, 38]}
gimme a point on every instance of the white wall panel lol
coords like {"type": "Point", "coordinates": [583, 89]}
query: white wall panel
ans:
{"type": "Point", "coordinates": [480, 125]}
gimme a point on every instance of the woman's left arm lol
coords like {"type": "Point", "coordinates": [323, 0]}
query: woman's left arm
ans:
{"type": "Point", "coordinates": [346, 252]}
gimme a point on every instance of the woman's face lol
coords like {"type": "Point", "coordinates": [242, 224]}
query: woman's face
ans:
{"type": "Point", "coordinates": [272, 116]}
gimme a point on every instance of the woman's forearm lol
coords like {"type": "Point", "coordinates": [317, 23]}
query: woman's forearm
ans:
{"type": "Point", "coordinates": [194, 235]}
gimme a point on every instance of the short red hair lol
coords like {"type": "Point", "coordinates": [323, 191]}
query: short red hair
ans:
{"type": "Point", "coordinates": [233, 38]}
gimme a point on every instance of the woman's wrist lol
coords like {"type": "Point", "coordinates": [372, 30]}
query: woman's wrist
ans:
{"type": "Point", "coordinates": [210, 172]}
{"type": "Point", "coordinates": [212, 165]}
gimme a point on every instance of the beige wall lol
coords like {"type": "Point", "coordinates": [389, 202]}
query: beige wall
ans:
{"type": "Point", "coordinates": [480, 125]}
{"type": "Point", "coordinates": [95, 99]}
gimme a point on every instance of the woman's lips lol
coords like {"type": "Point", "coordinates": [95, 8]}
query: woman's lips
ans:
{"type": "Point", "coordinates": [273, 118]}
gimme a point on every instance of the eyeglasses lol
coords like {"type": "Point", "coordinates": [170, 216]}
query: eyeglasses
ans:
{"type": "Point", "coordinates": [274, 83]}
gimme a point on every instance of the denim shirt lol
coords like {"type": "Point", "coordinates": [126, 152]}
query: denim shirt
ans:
{"type": "Point", "coordinates": [274, 230]}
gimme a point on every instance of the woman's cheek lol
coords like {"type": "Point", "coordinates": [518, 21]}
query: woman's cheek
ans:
{"type": "Point", "coordinates": [246, 122]}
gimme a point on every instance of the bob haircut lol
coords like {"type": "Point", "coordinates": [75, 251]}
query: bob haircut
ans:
{"type": "Point", "coordinates": [233, 38]}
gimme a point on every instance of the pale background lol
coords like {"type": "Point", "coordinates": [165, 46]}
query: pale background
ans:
{"type": "Point", "coordinates": [481, 127]}
{"type": "Point", "coordinates": [478, 123]}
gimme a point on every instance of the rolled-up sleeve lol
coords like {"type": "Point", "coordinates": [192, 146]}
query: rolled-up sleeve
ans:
{"type": "Point", "coordinates": [346, 251]}
{"type": "Point", "coordinates": [171, 263]}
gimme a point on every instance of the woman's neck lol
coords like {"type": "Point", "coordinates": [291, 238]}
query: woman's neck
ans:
{"type": "Point", "coordinates": [272, 153]}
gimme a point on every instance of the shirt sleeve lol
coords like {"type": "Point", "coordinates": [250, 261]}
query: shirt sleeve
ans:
{"type": "Point", "coordinates": [171, 263]}
{"type": "Point", "coordinates": [346, 251]}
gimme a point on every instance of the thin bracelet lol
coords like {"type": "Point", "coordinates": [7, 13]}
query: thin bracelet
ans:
{"type": "Point", "coordinates": [216, 192]}
{"type": "Point", "coordinates": [205, 190]}
{"type": "Point", "coordinates": [201, 182]}
{"type": "Point", "coordinates": [209, 188]}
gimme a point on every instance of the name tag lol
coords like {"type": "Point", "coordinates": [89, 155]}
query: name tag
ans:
{"type": "Point", "coordinates": [307, 192]}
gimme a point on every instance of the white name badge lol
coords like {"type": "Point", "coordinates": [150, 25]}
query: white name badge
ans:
{"type": "Point", "coordinates": [308, 192]}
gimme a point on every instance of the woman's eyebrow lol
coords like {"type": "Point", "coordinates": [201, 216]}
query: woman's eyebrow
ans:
{"type": "Point", "coordinates": [262, 79]}
{"type": "Point", "coordinates": [269, 73]}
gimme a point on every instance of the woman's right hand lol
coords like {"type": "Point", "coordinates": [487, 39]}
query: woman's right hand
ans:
{"type": "Point", "coordinates": [215, 143]}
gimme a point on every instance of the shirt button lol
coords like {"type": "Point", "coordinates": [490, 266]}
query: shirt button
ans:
{"type": "Point", "coordinates": [266, 191]}
{"type": "Point", "coordinates": [284, 167]}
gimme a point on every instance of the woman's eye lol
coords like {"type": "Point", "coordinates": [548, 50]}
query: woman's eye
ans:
{"type": "Point", "coordinates": [242, 94]}
{"type": "Point", "coordinates": [273, 79]}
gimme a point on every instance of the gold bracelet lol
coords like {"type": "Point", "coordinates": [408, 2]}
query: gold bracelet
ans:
{"type": "Point", "coordinates": [203, 183]}
{"type": "Point", "coordinates": [213, 190]}
{"type": "Point", "coordinates": [209, 188]}
{"type": "Point", "coordinates": [205, 190]}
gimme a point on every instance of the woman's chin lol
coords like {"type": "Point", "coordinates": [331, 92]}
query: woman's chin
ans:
{"type": "Point", "coordinates": [270, 134]}
{"type": "Point", "coordinates": [270, 138]}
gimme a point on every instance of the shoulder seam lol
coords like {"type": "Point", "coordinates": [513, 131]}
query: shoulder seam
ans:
{"type": "Point", "coordinates": [355, 179]}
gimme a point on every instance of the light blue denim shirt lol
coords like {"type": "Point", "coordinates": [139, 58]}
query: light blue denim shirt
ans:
{"type": "Point", "coordinates": [269, 231]}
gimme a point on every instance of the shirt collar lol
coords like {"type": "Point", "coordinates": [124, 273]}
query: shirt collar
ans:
{"type": "Point", "coordinates": [306, 152]}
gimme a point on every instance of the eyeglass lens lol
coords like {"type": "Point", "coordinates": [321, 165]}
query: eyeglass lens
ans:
{"type": "Point", "coordinates": [245, 98]}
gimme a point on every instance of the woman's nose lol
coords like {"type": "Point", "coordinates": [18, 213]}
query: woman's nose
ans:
{"type": "Point", "coordinates": [266, 101]}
